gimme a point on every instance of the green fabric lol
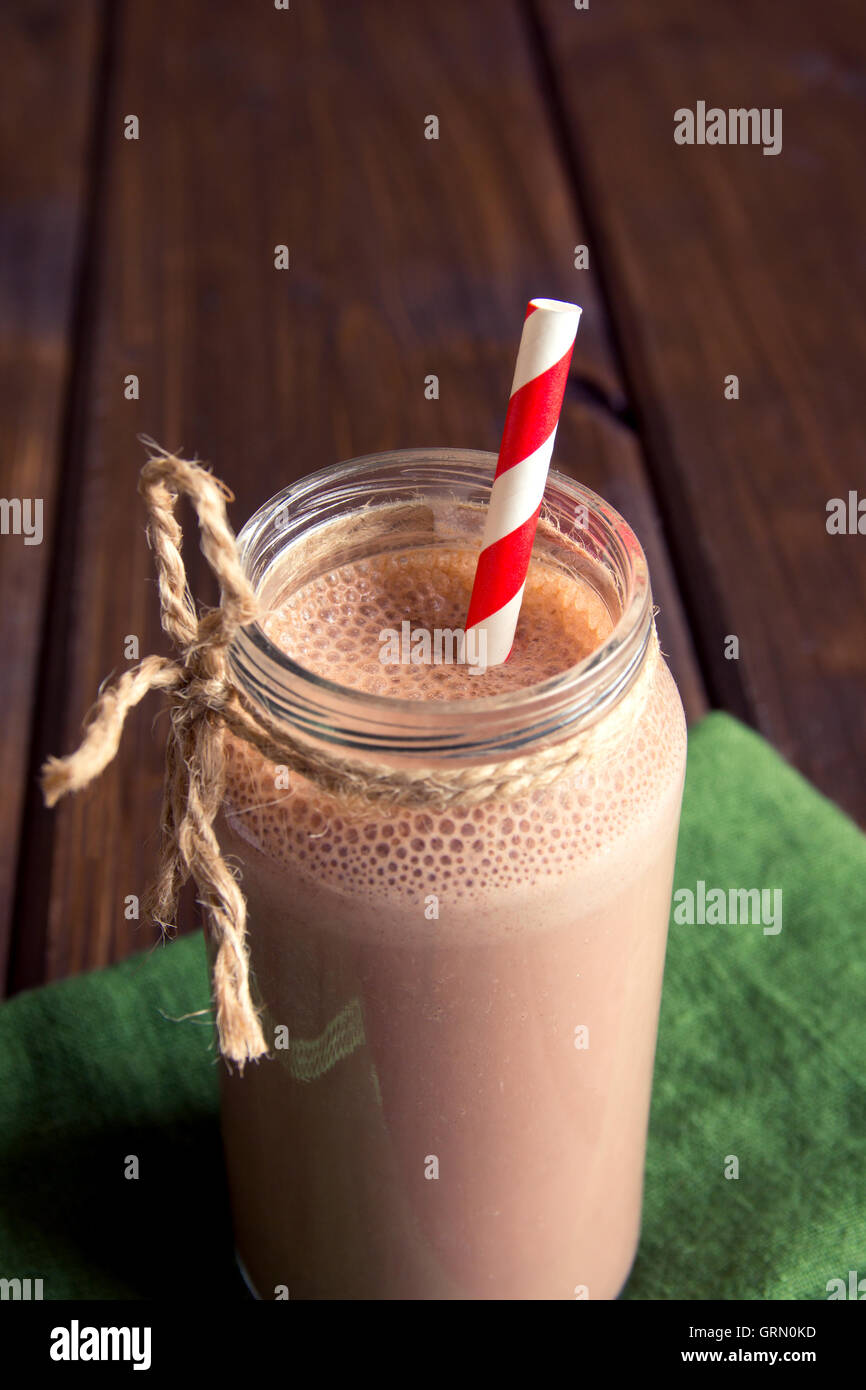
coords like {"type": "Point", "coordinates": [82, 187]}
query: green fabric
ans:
{"type": "Point", "coordinates": [760, 1056]}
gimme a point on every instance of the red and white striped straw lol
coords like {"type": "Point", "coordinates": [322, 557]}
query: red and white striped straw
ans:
{"type": "Point", "coordinates": [543, 360]}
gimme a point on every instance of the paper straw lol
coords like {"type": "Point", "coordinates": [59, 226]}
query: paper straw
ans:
{"type": "Point", "coordinates": [543, 360]}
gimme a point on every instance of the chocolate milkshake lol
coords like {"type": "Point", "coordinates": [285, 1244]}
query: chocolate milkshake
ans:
{"type": "Point", "coordinates": [461, 995]}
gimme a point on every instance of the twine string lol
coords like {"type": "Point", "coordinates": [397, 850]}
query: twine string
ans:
{"type": "Point", "coordinates": [199, 685]}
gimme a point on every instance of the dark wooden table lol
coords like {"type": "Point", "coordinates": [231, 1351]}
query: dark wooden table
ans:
{"type": "Point", "coordinates": [409, 256]}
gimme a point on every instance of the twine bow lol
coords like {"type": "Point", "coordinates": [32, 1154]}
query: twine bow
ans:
{"type": "Point", "coordinates": [204, 703]}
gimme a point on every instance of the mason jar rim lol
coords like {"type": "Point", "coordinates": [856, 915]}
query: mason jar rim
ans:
{"type": "Point", "coordinates": [486, 725]}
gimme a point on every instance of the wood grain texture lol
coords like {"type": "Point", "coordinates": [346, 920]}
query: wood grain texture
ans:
{"type": "Point", "coordinates": [407, 257]}
{"type": "Point", "coordinates": [50, 54]}
{"type": "Point", "coordinates": [721, 260]}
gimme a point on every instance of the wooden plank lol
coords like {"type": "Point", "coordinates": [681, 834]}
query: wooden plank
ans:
{"type": "Point", "coordinates": [50, 55]}
{"type": "Point", "coordinates": [407, 257]}
{"type": "Point", "coordinates": [718, 260]}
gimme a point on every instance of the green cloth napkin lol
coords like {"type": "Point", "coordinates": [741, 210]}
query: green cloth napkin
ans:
{"type": "Point", "coordinates": [760, 1058]}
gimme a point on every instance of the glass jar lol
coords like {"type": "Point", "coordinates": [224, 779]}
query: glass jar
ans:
{"type": "Point", "coordinates": [460, 987]}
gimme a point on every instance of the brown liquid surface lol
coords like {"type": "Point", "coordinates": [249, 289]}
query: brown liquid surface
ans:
{"type": "Point", "coordinates": [333, 626]}
{"type": "Point", "coordinates": [434, 973]}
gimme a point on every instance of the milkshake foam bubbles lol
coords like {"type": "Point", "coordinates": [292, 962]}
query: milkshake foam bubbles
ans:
{"type": "Point", "coordinates": [469, 996]}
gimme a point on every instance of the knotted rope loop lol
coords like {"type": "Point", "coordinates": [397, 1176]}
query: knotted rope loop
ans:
{"type": "Point", "coordinates": [163, 478]}
{"type": "Point", "coordinates": [199, 685]}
